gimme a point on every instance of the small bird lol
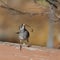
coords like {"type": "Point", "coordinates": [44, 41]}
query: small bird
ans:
{"type": "Point", "coordinates": [23, 34]}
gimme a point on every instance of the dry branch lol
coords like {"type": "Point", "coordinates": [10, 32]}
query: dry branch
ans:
{"type": "Point", "coordinates": [18, 12]}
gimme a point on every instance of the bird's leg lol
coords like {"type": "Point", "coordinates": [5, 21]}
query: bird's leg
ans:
{"type": "Point", "coordinates": [28, 43]}
{"type": "Point", "coordinates": [20, 45]}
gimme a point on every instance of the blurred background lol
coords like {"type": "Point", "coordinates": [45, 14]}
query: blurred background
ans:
{"type": "Point", "coordinates": [10, 22]}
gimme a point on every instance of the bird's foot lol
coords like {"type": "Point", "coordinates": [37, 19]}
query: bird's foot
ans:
{"type": "Point", "coordinates": [20, 47]}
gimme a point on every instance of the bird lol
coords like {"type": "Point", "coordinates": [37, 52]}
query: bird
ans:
{"type": "Point", "coordinates": [23, 35]}
{"type": "Point", "coordinates": [52, 2]}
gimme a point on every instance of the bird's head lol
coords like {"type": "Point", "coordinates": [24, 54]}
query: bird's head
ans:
{"type": "Point", "coordinates": [21, 27]}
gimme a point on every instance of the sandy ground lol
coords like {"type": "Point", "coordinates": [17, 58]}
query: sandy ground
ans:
{"type": "Point", "coordinates": [10, 51]}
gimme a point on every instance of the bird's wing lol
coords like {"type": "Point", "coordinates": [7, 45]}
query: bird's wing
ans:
{"type": "Point", "coordinates": [17, 32]}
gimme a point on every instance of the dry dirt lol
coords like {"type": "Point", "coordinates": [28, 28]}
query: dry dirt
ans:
{"type": "Point", "coordinates": [10, 51]}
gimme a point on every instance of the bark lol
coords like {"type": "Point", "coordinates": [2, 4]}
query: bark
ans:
{"type": "Point", "coordinates": [50, 42]}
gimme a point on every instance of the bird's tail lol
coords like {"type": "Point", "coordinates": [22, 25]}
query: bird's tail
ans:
{"type": "Point", "coordinates": [30, 27]}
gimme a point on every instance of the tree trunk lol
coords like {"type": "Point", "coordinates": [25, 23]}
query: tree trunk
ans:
{"type": "Point", "coordinates": [50, 42]}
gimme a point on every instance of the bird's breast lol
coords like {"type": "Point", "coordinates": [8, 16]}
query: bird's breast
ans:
{"type": "Point", "coordinates": [23, 35]}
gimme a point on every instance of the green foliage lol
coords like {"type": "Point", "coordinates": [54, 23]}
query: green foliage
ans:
{"type": "Point", "coordinates": [42, 2]}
